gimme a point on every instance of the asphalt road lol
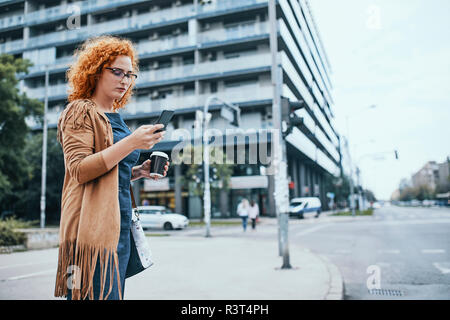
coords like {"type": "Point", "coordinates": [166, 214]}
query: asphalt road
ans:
{"type": "Point", "coordinates": [404, 253]}
{"type": "Point", "coordinates": [399, 253]}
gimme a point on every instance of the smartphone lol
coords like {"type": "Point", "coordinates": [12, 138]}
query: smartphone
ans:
{"type": "Point", "coordinates": [164, 118]}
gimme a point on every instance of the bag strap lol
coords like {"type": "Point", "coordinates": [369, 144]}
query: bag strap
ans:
{"type": "Point", "coordinates": [133, 202]}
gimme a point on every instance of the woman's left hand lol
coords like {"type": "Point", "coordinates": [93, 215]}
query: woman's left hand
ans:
{"type": "Point", "coordinates": [144, 170]}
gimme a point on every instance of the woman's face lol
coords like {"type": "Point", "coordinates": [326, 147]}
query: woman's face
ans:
{"type": "Point", "coordinates": [113, 83]}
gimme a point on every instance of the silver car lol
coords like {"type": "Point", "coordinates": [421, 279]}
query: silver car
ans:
{"type": "Point", "coordinates": [161, 217]}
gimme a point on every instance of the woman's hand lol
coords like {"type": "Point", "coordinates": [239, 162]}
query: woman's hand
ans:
{"type": "Point", "coordinates": [143, 171]}
{"type": "Point", "coordinates": [145, 137]}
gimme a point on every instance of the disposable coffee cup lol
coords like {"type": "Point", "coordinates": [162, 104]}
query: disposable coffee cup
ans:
{"type": "Point", "coordinates": [158, 161]}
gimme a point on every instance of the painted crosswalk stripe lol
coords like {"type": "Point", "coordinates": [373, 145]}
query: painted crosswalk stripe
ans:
{"type": "Point", "coordinates": [433, 251]}
{"type": "Point", "coordinates": [389, 251]}
{"type": "Point", "coordinates": [32, 274]}
{"type": "Point", "coordinates": [443, 267]}
{"type": "Point", "coordinates": [25, 264]}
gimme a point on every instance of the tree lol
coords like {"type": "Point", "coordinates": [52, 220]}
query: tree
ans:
{"type": "Point", "coordinates": [220, 171]}
{"type": "Point", "coordinates": [28, 198]}
{"type": "Point", "coordinates": [14, 109]}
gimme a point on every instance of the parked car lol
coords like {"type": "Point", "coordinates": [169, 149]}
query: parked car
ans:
{"type": "Point", "coordinates": [299, 206]}
{"type": "Point", "coordinates": [161, 217]}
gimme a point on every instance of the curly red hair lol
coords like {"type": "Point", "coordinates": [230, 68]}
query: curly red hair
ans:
{"type": "Point", "coordinates": [90, 59]}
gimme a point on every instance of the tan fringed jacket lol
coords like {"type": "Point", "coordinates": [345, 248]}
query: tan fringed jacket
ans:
{"type": "Point", "coordinates": [90, 213]}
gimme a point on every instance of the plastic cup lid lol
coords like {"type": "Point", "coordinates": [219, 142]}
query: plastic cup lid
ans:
{"type": "Point", "coordinates": [158, 153]}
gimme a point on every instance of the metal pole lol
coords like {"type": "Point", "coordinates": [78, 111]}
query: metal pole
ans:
{"type": "Point", "coordinates": [207, 191]}
{"type": "Point", "coordinates": [44, 152]}
{"type": "Point", "coordinates": [350, 179]}
{"type": "Point", "coordinates": [281, 194]}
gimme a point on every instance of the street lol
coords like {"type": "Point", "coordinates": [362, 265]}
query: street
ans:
{"type": "Point", "coordinates": [411, 247]}
{"type": "Point", "coordinates": [405, 249]}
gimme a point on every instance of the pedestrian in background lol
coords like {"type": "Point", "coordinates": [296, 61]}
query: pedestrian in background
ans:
{"type": "Point", "coordinates": [253, 213]}
{"type": "Point", "coordinates": [242, 211]}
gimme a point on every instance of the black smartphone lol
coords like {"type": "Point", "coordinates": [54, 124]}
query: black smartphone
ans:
{"type": "Point", "coordinates": [164, 118]}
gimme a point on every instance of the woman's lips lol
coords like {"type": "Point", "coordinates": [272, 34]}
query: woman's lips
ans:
{"type": "Point", "coordinates": [121, 89]}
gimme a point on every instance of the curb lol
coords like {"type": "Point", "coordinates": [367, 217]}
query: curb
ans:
{"type": "Point", "coordinates": [11, 249]}
{"type": "Point", "coordinates": [336, 290]}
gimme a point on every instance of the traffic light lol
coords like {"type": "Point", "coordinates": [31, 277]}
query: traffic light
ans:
{"type": "Point", "coordinates": [288, 117]}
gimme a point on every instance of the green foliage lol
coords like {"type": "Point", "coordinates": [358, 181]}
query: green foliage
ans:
{"type": "Point", "coordinates": [9, 236]}
{"type": "Point", "coordinates": [421, 193]}
{"type": "Point", "coordinates": [220, 171]}
{"type": "Point", "coordinates": [27, 199]}
{"type": "Point", "coordinates": [14, 109]}
{"type": "Point", "coordinates": [367, 212]}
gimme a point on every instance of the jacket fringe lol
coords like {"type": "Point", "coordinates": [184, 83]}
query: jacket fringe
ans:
{"type": "Point", "coordinates": [79, 265]}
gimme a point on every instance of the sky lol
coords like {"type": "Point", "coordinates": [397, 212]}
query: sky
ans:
{"type": "Point", "coordinates": [395, 55]}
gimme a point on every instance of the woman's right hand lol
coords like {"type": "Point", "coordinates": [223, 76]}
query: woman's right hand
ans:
{"type": "Point", "coordinates": [145, 137]}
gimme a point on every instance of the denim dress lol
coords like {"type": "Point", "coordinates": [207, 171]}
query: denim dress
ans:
{"type": "Point", "coordinates": [120, 131]}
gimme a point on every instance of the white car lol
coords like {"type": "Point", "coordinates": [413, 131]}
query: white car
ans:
{"type": "Point", "coordinates": [300, 206]}
{"type": "Point", "coordinates": [161, 217]}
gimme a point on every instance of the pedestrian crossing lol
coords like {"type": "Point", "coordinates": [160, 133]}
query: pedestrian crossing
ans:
{"type": "Point", "coordinates": [442, 266]}
{"type": "Point", "coordinates": [415, 215]}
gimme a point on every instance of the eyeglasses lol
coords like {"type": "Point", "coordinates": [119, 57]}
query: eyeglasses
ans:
{"type": "Point", "coordinates": [120, 73]}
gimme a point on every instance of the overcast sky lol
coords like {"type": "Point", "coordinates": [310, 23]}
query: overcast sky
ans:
{"type": "Point", "coordinates": [395, 55]}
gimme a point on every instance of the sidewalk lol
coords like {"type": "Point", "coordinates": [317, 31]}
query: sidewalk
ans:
{"type": "Point", "coordinates": [233, 265]}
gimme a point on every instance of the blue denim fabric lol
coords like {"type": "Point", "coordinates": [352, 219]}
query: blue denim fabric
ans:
{"type": "Point", "coordinates": [244, 222]}
{"type": "Point", "coordinates": [120, 131]}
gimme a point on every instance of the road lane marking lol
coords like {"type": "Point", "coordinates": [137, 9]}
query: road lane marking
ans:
{"type": "Point", "coordinates": [433, 251]}
{"type": "Point", "coordinates": [310, 230]}
{"type": "Point", "coordinates": [32, 274]}
{"type": "Point", "coordinates": [342, 251]}
{"type": "Point", "coordinates": [443, 267]}
{"type": "Point", "coordinates": [389, 251]}
{"type": "Point", "coordinates": [383, 264]}
{"type": "Point", "coordinates": [25, 264]}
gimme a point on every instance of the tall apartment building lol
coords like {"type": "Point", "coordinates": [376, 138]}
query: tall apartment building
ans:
{"type": "Point", "coordinates": [428, 175]}
{"type": "Point", "coordinates": [189, 50]}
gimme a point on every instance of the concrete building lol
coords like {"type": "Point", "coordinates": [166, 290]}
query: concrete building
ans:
{"type": "Point", "coordinates": [444, 174]}
{"type": "Point", "coordinates": [188, 50]}
{"type": "Point", "coordinates": [428, 175]}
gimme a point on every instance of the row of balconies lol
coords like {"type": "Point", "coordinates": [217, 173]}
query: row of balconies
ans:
{"type": "Point", "coordinates": [134, 22]}
{"type": "Point", "coordinates": [256, 92]}
{"type": "Point", "coordinates": [256, 61]}
{"type": "Point", "coordinates": [178, 42]}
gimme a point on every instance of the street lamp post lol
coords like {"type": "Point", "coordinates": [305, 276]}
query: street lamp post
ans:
{"type": "Point", "coordinates": [44, 151]}
{"type": "Point", "coordinates": [207, 191]}
{"type": "Point", "coordinates": [281, 194]}
{"type": "Point", "coordinates": [352, 200]}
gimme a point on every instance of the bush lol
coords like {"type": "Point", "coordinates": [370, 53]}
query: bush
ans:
{"type": "Point", "coordinates": [8, 235]}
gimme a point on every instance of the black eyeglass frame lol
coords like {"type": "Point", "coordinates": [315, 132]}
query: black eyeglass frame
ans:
{"type": "Point", "coordinates": [124, 74]}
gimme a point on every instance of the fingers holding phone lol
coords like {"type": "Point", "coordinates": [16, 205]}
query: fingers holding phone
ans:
{"type": "Point", "coordinates": [145, 137]}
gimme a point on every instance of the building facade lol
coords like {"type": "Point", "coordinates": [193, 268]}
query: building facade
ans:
{"type": "Point", "coordinates": [188, 51]}
{"type": "Point", "coordinates": [428, 175]}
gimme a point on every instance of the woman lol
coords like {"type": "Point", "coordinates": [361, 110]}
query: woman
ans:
{"type": "Point", "coordinates": [100, 154]}
{"type": "Point", "coordinates": [242, 211]}
{"type": "Point", "coordinates": [253, 212]}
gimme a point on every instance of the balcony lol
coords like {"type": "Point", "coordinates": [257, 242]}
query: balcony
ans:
{"type": "Point", "coordinates": [146, 47]}
{"type": "Point", "coordinates": [207, 68]}
{"type": "Point", "coordinates": [109, 27]}
{"type": "Point", "coordinates": [61, 12]}
{"type": "Point", "coordinates": [226, 5]}
{"type": "Point", "coordinates": [53, 91]}
{"type": "Point", "coordinates": [240, 32]}
{"type": "Point", "coordinates": [235, 95]}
